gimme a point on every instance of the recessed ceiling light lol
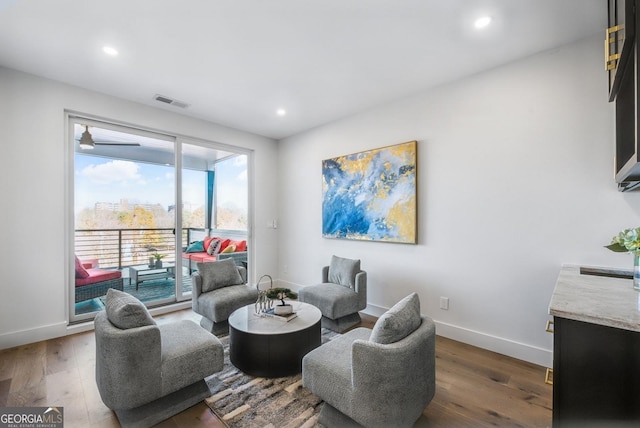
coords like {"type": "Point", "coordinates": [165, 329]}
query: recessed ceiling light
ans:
{"type": "Point", "coordinates": [281, 112]}
{"type": "Point", "coordinates": [109, 51]}
{"type": "Point", "coordinates": [482, 22]}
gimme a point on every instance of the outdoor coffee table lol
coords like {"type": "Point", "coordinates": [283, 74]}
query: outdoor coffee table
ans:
{"type": "Point", "coordinates": [268, 347]}
{"type": "Point", "coordinates": [140, 273]}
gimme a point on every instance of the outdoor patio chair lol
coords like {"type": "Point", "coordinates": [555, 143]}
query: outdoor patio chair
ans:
{"type": "Point", "coordinates": [92, 282]}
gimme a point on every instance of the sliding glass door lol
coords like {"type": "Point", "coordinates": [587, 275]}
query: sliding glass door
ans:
{"type": "Point", "coordinates": [214, 202]}
{"type": "Point", "coordinates": [125, 185]}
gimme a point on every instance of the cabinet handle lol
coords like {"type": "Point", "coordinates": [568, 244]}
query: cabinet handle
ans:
{"type": "Point", "coordinates": [610, 60]}
{"type": "Point", "coordinates": [548, 377]}
{"type": "Point", "coordinates": [549, 327]}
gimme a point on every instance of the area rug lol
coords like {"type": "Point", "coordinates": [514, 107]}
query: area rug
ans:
{"type": "Point", "coordinates": [242, 401]}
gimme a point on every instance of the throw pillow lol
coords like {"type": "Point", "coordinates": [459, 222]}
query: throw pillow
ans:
{"type": "Point", "coordinates": [81, 272]}
{"type": "Point", "coordinates": [125, 311]}
{"type": "Point", "coordinates": [343, 271]}
{"type": "Point", "coordinates": [224, 244]}
{"type": "Point", "coordinates": [218, 274]}
{"type": "Point", "coordinates": [230, 249]}
{"type": "Point", "coordinates": [398, 322]}
{"type": "Point", "coordinates": [214, 247]}
{"type": "Point", "coordinates": [195, 247]}
{"type": "Point", "coordinates": [240, 245]}
{"type": "Point", "coordinates": [207, 241]}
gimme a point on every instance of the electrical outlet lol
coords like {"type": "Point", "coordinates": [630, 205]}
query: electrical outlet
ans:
{"type": "Point", "coordinates": [286, 268]}
{"type": "Point", "coordinates": [444, 303]}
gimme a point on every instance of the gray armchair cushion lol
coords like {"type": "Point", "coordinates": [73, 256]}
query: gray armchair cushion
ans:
{"type": "Point", "coordinates": [219, 304]}
{"type": "Point", "coordinates": [343, 271]}
{"type": "Point", "coordinates": [333, 300]}
{"type": "Point", "coordinates": [189, 354]}
{"type": "Point", "coordinates": [398, 322]}
{"type": "Point", "coordinates": [125, 311]}
{"type": "Point", "coordinates": [219, 274]}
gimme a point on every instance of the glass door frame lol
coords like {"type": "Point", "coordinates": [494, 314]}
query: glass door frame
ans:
{"type": "Point", "coordinates": [73, 118]}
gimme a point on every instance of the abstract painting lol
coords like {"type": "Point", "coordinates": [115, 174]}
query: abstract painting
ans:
{"type": "Point", "coordinates": [371, 195]}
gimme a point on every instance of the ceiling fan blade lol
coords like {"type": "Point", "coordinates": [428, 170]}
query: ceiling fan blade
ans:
{"type": "Point", "coordinates": [88, 142]}
{"type": "Point", "coordinates": [116, 144]}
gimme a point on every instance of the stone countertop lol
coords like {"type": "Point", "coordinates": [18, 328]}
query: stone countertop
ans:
{"type": "Point", "coordinates": [596, 299]}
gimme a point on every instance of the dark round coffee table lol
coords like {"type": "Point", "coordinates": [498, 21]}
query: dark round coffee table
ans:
{"type": "Point", "coordinates": [267, 347]}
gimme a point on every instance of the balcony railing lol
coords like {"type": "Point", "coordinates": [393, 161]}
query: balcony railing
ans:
{"type": "Point", "coordinates": [117, 248]}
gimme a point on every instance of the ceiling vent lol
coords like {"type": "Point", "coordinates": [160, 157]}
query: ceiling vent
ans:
{"type": "Point", "coordinates": [170, 101]}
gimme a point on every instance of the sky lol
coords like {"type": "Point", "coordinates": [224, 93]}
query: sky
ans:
{"type": "Point", "coordinates": [100, 179]}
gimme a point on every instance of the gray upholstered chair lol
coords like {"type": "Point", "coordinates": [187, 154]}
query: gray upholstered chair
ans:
{"type": "Point", "coordinates": [147, 372]}
{"type": "Point", "coordinates": [218, 289]}
{"type": "Point", "coordinates": [376, 378]}
{"type": "Point", "coordinates": [342, 293]}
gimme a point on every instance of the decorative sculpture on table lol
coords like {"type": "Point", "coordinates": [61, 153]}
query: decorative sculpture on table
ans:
{"type": "Point", "coordinates": [265, 298]}
{"type": "Point", "coordinates": [264, 303]}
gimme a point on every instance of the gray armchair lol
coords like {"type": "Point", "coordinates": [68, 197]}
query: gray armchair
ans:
{"type": "Point", "coordinates": [144, 371]}
{"type": "Point", "coordinates": [342, 293]}
{"type": "Point", "coordinates": [218, 289]}
{"type": "Point", "coordinates": [376, 378]}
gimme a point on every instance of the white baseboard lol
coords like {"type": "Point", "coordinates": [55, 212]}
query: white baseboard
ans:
{"type": "Point", "coordinates": [37, 334]}
{"type": "Point", "coordinates": [87, 326]}
{"type": "Point", "coordinates": [510, 348]}
{"type": "Point", "coordinates": [23, 337]}
{"type": "Point", "coordinates": [520, 351]}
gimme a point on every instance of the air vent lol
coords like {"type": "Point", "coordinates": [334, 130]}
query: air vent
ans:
{"type": "Point", "coordinates": [170, 101]}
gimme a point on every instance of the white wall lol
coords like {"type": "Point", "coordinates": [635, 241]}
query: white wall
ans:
{"type": "Point", "coordinates": [514, 179]}
{"type": "Point", "coordinates": [33, 287]}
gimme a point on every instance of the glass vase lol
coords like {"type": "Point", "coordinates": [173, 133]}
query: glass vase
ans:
{"type": "Point", "coordinates": [636, 272]}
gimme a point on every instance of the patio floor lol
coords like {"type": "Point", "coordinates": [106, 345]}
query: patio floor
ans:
{"type": "Point", "coordinates": [150, 290]}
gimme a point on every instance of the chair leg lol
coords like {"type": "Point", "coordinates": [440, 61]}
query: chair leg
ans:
{"type": "Point", "coordinates": [340, 325]}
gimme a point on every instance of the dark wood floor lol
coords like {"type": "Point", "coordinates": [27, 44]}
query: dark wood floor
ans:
{"type": "Point", "coordinates": [474, 387]}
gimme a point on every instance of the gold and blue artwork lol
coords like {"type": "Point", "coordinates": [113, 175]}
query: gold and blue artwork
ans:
{"type": "Point", "coordinates": [371, 195]}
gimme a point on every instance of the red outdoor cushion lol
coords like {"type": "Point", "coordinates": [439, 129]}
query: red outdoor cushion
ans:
{"type": "Point", "coordinates": [199, 257]}
{"type": "Point", "coordinates": [240, 245]}
{"type": "Point", "coordinates": [224, 244]}
{"type": "Point", "coordinates": [98, 275]}
{"type": "Point", "coordinates": [81, 272]}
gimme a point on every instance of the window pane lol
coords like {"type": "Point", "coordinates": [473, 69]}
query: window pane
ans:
{"type": "Point", "coordinates": [231, 193]}
{"type": "Point", "coordinates": [194, 196]}
{"type": "Point", "coordinates": [124, 206]}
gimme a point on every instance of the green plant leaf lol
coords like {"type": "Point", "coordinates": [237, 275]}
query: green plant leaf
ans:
{"type": "Point", "coordinates": [617, 248]}
{"type": "Point", "coordinates": [272, 293]}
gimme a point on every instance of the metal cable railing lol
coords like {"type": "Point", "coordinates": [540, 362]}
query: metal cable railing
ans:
{"type": "Point", "coordinates": [116, 248]}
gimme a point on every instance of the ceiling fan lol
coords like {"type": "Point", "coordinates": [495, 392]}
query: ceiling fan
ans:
{"type": "Point", "coordinates": [87, 141]}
